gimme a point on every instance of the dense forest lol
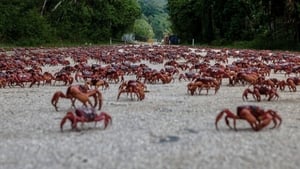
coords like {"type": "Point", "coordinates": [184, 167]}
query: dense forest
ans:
{"type": "Point", "coordinates": [260, 23]}
{"type": "Point", "coordinates": [31, 22]}
{"type": "Point", "coordinates": [156, 14]}
{"type": "Point", "coordinates": [269, 24]}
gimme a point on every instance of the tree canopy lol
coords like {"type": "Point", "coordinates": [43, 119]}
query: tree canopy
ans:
{"type": "Point", "coordinates": [28, 22]}
{"type": "Point", "coordinates": [262, 23]}
{"type": "Point", "coordinates": [155, 13]}
{"type": "Point", "coordinates": [267, 23]}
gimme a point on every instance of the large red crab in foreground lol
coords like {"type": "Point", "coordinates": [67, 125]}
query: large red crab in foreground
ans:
{"type": "Point", "coordinates": [257, 117]}
{"type": "Point", "coordinates": [81, 93]}
{"type": "Point", "coordinates": [85, 115]}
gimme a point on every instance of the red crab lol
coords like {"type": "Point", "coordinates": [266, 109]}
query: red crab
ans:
{"type": "Point", "coordinates": [85, 115]}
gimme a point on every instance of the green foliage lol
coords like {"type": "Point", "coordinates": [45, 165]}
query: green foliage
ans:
{"type": "Point", "coordinates": [253, 23]}
{"type": "Point", "coordinates": [143, 31]}
{"type": "Point", "coordinates": [21, 24]}
{"type": "Point", "coordinates": [34, 22]}
{"type": "Point", "coordinates": [156, 14]}
{"type": "Point", "coordinates": [261, 23]}
{"type": "Point", "coordinates": [123, 16]}
{"type": "Point", "coordinates": [234, 13]}
{"type": "Point", "coordinates": [187, 19]}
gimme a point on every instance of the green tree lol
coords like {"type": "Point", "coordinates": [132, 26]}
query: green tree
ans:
{"type": "Point", "coordinates": [142, 30]}
{"type": "Point", "coordinates": [187, 19]}
{"type": "Point", "coordinates": [267, 23]}
{"type": "Point", "coordinates": [123, 15]}
{"type": "Point", "coordinates": [70, 20]}
{"type": "Point", "coordinates": [93, 20]}
{"type": "Point", "coordinates": [37, 22]}
{"type": "Point", "coordinates": [156, 14]}
{"type": "Point", "coordinates": [21, 23]}
{"type": "Point", "coordinates": [231, 19]}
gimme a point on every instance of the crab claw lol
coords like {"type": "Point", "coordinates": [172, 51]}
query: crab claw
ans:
{"type": "Point", "coordinates": [107, 119]}
{"type": "Point", "coordinates": [68, 116]}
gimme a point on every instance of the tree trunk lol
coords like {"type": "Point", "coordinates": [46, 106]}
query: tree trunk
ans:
{"type": "Point", "coordinates": [43, 8]}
